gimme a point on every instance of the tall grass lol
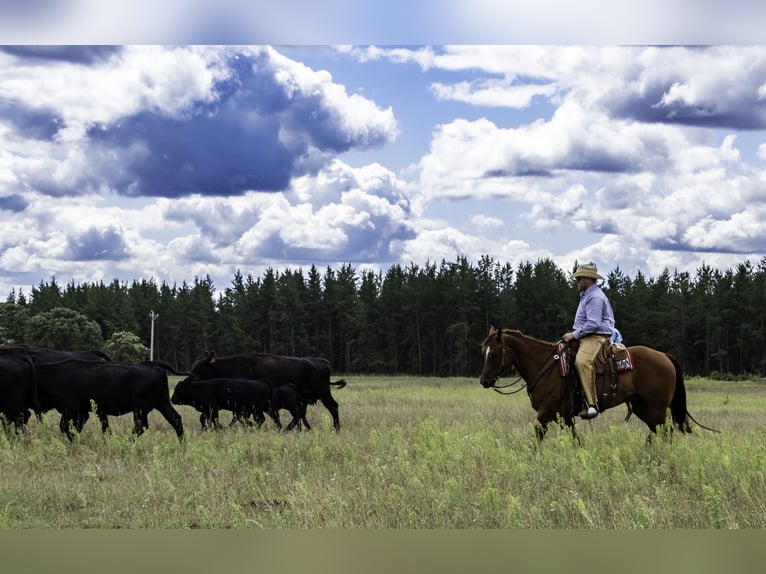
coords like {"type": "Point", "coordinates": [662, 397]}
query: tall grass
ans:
{"type": "Point", "coordinates": [412, 453]}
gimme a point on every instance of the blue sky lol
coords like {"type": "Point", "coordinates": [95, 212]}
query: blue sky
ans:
{"type": "Point", "coordinates": [157, 155]}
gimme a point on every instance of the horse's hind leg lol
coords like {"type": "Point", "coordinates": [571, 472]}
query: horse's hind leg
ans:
{"type": "Point", "coordinates": [653, 416]}
{"type": "Point", "coordinates": [630, 411]}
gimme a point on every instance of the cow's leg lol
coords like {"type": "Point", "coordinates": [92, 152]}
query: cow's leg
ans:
{"type": "Point", "coordinates": [302, 413]}
{"type": "Point", "coordinates": [140, 422]}
{"type": "Point", "coordinates": [66, 424]}
{"type": "Point", "coordinates": [293, 423]}
{"type": "Point", "coordinates": [81, 420]}
{"type": "Point", "coordinates": [18, 420]}
{"type": "Point", "coordinates": [274, 414]}
{"type": "Point", "coordinates": [203, 421]}
{"type": "Point", "coordinates": [332, 406]}
{"type": "Point", "coordinates": [104, 421]}
{"type": "Point", "coordinates": [214, 418]}
{"type": "Point", "coordinates": [242, 417]}
{"type": "Point", "coordinates": [174, 419]}
{"type": "Point", "coordinates": [73, 421]}
{"type": "Point", "coordinates": [259, 417]}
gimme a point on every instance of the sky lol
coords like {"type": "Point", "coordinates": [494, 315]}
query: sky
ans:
{"type": "Point", "coordinates": [220, 144]}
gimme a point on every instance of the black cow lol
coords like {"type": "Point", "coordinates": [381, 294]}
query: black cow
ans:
{"type": "Point", "coordinates": [310, 374]}
{"type": "Point", "coordinates": [43, 355]}
{"type": "Point", "coordinates": [70, 385]}
{"type": "Point", "coordinates": [18, 389]}
{"type": "Point", "coordinates": [287, 397]}
{"type": "Point", "coordinates": [243, 397]}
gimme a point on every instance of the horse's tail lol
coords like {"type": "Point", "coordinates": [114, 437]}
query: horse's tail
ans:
{"type": "Point", "coordinates": [678, 410]}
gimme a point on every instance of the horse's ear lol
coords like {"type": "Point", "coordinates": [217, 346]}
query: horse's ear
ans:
{"type": "Point", "coordinates": [493, 329]}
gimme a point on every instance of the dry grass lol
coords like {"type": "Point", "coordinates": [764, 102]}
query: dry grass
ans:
{"type": "Point", "coordinates": [412, 453]}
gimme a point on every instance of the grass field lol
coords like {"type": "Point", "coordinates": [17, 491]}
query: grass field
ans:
{"type": "Point", "coordinates": [413, 453]}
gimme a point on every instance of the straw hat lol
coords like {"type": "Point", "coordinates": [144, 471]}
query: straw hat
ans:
{"type": "Point", "coordinates": [588, 270]}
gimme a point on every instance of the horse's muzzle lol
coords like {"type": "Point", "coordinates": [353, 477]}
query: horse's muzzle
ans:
{"type": "Point", "coordinates": [488, 383]}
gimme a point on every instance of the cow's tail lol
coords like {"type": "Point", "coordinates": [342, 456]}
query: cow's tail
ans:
{"type": "Point", "coordinates": [167, 367]}
{"type": "Point", "coordinates": [340, 384]}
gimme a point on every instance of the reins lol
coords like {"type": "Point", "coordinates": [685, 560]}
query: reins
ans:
{"type": "Point", "coordinates": [516, 382]}
{"type": "Point", "coordinates": [530, 386]}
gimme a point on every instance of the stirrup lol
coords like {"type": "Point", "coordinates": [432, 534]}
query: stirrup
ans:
{"type": "Point", "coordinates": [590, 413]}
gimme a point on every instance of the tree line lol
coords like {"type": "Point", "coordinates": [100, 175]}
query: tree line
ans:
{"type": "Point", "coordinates": [417, 319]}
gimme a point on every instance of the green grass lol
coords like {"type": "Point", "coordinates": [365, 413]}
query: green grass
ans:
{"type": "Point", "coordinates": [412, 453]}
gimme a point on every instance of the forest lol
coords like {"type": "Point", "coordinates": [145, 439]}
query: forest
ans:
{"type": "Point", "coordinates": [424, 320]}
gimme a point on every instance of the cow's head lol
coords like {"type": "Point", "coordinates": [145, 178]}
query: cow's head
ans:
{"type": "Point", "coordinates": [202, 366]}
{"type": "Point", "coordinates": [181, 392]}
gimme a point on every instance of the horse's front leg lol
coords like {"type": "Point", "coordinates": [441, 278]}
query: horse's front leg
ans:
{"type": "Point", "coordinates": [570, 423]}
{"type": "Point", "coordinates": [541, 427]}
{"type": "Point", "coordinates": [540, 430]}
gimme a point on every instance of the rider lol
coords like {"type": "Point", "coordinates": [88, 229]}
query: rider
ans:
{"type": "Point", "coordinates": [594, 322]}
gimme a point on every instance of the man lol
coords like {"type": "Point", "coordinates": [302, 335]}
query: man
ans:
{"type": "Point", "coordinates": [594, 322]}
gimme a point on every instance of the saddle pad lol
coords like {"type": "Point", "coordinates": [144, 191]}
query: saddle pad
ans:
{"type": "Point", "coordinates": [620, 354]}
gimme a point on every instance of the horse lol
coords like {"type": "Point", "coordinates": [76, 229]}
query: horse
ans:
{"type": "Point", "coordinates": [653, 386]}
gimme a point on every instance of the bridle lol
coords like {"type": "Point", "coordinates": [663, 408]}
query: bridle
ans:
{"type": "Point", "coordinates": [498, 388]}
{"type": "Point", "coordinates": [552, 360]}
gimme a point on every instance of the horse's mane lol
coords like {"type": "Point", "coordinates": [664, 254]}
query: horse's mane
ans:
{"type": "Point", "coordinates": [520, 334]}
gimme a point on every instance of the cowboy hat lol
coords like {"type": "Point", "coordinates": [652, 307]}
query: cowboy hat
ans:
{"type": "Point", "coordinates": [587, 270]}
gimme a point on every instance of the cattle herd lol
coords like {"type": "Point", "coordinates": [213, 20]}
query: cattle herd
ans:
{"type": "Point", "coordinates": [76, 383]}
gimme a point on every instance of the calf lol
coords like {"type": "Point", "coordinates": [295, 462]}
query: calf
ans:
{"type": "Point", "coordinates": [287, 397]}
{"type": "Point", "coordinates": [310, 374]}
{"type": "Point", "coordinates": [243, 397]}
{"type": "Point", "coordinates": [71, 385]}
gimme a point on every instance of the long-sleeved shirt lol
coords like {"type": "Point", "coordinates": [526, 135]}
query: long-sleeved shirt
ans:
{"type": "Point", "coordinates": [594, 314]}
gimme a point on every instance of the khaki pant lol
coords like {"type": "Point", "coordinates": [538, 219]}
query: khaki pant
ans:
{"type": "Point", "coordinates": [586, 354]}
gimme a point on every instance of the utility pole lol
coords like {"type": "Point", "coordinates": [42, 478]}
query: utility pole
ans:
{"type": "Point", "coordinates": [153, 316]}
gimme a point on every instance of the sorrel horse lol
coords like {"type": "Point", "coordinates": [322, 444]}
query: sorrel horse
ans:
{"type": "Point", "coordinates": [655, 385]}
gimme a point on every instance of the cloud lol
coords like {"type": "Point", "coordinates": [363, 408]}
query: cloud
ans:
{"type": "Point", "coordinates": [170, 122]}
{"type": "Point", "coordinates": [339, 214]}
{"type": "Point", "coordinates": [719, 86]}
{"type": "Point", "coordinates": [486, 222]}
{"type": "Point", "coordinates": [14, 202]}
{"type": "Point", "coordinates": [67, 53]}
{"type": "Point", "coordinates": [622, 152]}
{"type": "Point", "coordinates": [489, 92]}
{"type": "Point", "coordinates": [174, 162]}
{"type": "Point", "coordinates": [97, 244]}
{"type": "Point", "coordinates": [478, 158]}
{"type": "Point", "coordinates": [714, 86]}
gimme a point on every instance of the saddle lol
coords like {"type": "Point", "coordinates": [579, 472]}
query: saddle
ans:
{"type": "Point", "coordinates": [612, 359]}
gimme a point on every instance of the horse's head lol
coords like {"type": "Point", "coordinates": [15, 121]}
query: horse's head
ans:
{"type": "Point", "coordinates": [497, 358]}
